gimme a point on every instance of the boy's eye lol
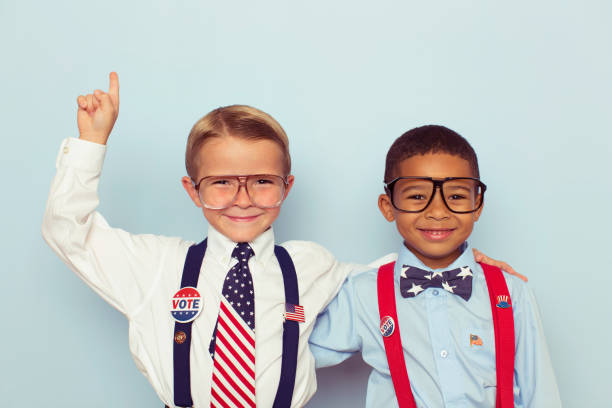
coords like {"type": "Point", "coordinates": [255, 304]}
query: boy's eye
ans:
{"type": "Point", "coordinates": [416, 197]}
{"type": "Point", "coordinates": [264, 181]}
{"type": "Point", "coordinates": [221, 182]}
{"type": "Point", "coordinates": [456, 197]}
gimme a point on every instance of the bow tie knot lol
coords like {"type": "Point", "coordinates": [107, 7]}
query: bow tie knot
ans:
{"type": "Point", "coordinates": [456, 281]}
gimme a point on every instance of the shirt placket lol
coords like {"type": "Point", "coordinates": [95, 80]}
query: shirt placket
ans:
{"type": "Point", "coordinates": [442, 347]}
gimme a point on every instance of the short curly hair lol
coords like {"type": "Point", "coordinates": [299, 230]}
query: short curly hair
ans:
{"type": "Point", "coordinates": [429, 139]}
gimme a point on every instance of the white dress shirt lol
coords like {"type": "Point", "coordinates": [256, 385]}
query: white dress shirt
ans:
{"type": "Point", "coordinates": [139, 274]}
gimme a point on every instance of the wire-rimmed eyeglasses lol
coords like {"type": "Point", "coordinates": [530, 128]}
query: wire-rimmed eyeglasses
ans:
{"type": "Point", "coordinates": [220, 192]}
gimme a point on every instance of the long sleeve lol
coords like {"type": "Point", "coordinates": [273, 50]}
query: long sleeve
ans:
{"type": "Point", "coordinates": [533, 371]}
{"type": "Point", "coordinates": [119, 266]}
{"type": "Point", "coordinates": [334, 337]}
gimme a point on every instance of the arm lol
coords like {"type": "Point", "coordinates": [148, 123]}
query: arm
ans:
{"type": "Point", "coordinates": [533, 371]}
{"type": "Point", "coordinates": [334, 337]}
{"type": "Point", "coordinates": [117, 265]}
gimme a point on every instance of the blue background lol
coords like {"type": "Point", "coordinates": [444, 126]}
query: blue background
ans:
{"type": "Point", "coordinates": [528, 83]}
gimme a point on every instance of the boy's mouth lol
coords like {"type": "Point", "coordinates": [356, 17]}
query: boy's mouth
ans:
{"type": "Point", "coordinates": [436, 234]}
{"type": "Point", "coordinates": [242, 218]}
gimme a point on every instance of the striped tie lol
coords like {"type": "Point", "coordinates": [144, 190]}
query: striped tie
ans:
{"type": "Point", "coordinates": [233, 343]}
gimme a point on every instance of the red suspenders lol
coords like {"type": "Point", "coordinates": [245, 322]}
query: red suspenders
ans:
{"type": "Point", "coordinates": [503, 324]}
{"type": "Point", "coordinates": [391, 336]}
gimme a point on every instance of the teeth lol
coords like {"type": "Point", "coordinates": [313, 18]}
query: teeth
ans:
{"type": "Point", "coordinates": [437, 232]}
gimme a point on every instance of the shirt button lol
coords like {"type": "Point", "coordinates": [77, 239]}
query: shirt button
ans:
{"type": "Point", "coordinates": [66, 149]}
{"type": "Point", "coordinates": [444, 354]}
{"type": "Point", "coordinates": [435, 292]}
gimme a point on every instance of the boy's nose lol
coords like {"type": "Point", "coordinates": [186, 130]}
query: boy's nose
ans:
{"type": "Point", "coordinates": [242, 198]}
{"type": "Point", "coordinates": [437, 209]}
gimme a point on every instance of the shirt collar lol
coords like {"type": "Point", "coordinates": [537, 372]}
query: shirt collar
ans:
{"type": "Point", "coordinates": [406, 257]}
{"type": "Point", "coordinates": [220, 247]}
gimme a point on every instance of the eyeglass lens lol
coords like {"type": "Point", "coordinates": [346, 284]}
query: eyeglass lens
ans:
{"type": "Point", "coordinates": [265, 191]}
{"type": "Point", "coordinates": [460, 195]}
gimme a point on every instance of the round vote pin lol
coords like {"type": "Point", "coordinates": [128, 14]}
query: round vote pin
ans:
{"type": "Point", "coordinates": [186, 305]}
{"type": "Point", "coordinates": [387, 326]}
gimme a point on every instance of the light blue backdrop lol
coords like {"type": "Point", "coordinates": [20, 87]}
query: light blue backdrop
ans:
{"type": "Point", "coordinates": [528, 83]}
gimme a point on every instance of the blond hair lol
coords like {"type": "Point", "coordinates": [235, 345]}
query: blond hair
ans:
{"type": "Point", "coordinates": [239, 121]}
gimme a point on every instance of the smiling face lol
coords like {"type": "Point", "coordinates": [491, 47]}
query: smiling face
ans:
{"type": "Point", "coordinates": [434, 235]}
{"type": "Point", "coordinates": [228, 155]}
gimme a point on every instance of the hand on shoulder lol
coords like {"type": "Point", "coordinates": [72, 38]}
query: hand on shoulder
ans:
{"type": "Point", "coordinates": [98, 112]}
{"type": "Point", "coordinates": [480, 257]}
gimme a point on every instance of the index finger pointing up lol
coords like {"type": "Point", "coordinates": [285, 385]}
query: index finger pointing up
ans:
{"type": "Point", "coordinates": [113, 88]}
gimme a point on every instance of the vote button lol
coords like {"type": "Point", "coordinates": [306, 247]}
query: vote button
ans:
{"type": "Point", "coordinates": [186, 305]}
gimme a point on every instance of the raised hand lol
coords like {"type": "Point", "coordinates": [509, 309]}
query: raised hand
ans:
{"type": "Point", "coordinates": [480, 257]}
{"type": "Point", "coordinates": [98, 112]}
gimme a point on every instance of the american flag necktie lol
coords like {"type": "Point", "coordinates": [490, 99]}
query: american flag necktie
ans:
{"type": "Point", "coordinates": [233, 343]}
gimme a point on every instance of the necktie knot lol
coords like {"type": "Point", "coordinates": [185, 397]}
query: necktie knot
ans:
{"type": "Point", "coordinates": [456, 281]}
{"type": "Point", "coordinates": [243, 252]}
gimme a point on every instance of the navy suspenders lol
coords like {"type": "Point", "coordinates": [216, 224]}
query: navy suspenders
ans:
{"type": "Point", "coordinates": [291, 331]}
{"type": "Point", "coordinates": [182, 331]}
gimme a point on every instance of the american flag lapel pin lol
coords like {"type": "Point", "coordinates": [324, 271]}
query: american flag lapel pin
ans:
{"type": "Point", "coordinates": [294, 312]}
{"type": "Point", "coordinates": [475, 340]}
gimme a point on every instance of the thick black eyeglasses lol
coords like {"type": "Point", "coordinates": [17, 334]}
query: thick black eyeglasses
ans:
{"type": "Point", "coordinates": [461, 195]}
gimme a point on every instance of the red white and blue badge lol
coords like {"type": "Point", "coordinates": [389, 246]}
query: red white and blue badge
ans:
{"type": "Point", "coordinates": [503, 302]}
{"type": "Point", "coordinates": [186, 305]}
{"type": "Point", "coordinates": [387, 326]}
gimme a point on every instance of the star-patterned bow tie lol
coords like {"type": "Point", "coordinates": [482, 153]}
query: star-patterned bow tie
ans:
{"type": "Point", "coordinates": [456, 281]}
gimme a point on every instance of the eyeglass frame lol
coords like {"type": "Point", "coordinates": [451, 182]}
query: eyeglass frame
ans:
{"type": "Point", "coordinates": [437, 185]}
{"type": "Point", "coordinates": [241, 183]}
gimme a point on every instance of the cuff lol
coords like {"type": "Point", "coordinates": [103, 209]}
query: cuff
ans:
{"type": "Point", "coordinates": [81, 154]}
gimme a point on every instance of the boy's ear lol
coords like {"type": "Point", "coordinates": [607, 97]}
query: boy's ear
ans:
{"type": "Point", "coordinates": [476, 214]}
{"type": "Point", "coordinates": [190, 189]}
{"type": "Point", "coordinates": [290, 180]}
{"type": "Point", "coordinates": [386, 208]}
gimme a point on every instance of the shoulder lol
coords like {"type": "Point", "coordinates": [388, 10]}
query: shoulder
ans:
{"type": "Point", "coordinates": [301, 251]}
{"type": "Point", "coordinates": [160, 248]}
{"type": "Point", "coordinates": [363, 284]}
{"type": "Point", "coordinates": [513, 282]}
{"type": "Point", "coordinates": [165, 242]}
{"type": "Point", "coordinates": [365, 278]}
{"type": "Point", "coordinates": [516, 286]}
{"type": "Point", "coordinates": [520, 291]}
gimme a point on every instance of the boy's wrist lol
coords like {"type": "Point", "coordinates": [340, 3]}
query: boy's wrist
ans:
{"type": "Point", "coordinates": [95, 137]}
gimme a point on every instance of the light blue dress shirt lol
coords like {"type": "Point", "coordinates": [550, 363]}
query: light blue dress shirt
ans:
{"type": "Point", "coordinates": [435, 327]}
